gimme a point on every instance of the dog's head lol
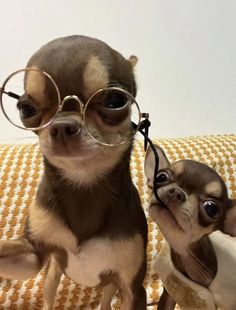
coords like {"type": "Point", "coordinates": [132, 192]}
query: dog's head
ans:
{"type": "Point", "coordinates": [80, 66]}
{"type": "Point", "coordinates": [195, 199]}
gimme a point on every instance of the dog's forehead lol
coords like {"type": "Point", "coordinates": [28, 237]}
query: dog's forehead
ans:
{"type": "Point", "coordinates": [81, 65]}
{"type": "Point", "coordinates": [198, 177]}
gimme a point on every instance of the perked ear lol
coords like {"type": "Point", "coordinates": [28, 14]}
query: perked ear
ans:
{"type": "Point", "coordinates": [133, 60]}
{"type": "Point", "coordinates": [230, 219]}
{"type": "Point", "coordinates": [150, 162]}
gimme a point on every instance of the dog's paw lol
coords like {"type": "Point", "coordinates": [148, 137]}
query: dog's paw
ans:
{"type": "Point", "coordinates": [47, 307]}
{"type": "Point", "coordinates": [4, 248]}
{"type": "Point", "coordinates": [13, 247]}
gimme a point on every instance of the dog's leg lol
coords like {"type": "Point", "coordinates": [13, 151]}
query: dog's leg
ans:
{"type": "Point", "coordinates": [18, 259]}
{"type": "Point", "coordinates": [133, 300]}
{"type": "Point", "coordinates": [166, 302]}
{"type": "Point", "coordinates": [133, 294]}
{"type": "Point", "coordinates": [51, 281]}
{"type": "Point", "coordinates": [108, 293]}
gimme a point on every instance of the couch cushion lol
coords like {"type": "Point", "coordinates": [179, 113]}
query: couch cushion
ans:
{"type": "Point", "coordinates": [20, 171]}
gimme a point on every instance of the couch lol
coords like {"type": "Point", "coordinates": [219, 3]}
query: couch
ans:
{"type": "Point", "coordinates": [20, 171]}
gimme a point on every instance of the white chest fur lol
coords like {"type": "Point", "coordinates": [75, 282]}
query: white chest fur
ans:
{"type": "Point", "coordinates": [223, 286]}
{"type": "Point", "coordinates": [98, 256]}
{"type": "Point", "coordinates": [87, 262]}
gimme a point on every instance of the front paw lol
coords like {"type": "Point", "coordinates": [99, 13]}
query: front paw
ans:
{"type": "Point", "coordinates": [6, 248]}
{"type": "Point", "coordinates": [14, 247]}
{"type": "Point", "coordinates": [47, 307]}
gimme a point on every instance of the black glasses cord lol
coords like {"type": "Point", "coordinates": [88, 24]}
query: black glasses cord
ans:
{"type": "Point", "coordinates": [144, 129]}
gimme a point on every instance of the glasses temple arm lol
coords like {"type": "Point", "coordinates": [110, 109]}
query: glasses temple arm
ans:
{"type": "Point", "coordinates": [10, 94]}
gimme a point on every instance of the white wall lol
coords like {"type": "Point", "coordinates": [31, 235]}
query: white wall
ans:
{"type": "Point", "coordinates": [187, 68]}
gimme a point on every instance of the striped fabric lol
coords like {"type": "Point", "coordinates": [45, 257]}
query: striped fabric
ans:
{"type": "Point", "coordinates": [20, 172]}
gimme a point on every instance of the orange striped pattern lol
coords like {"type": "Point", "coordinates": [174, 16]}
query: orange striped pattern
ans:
{"type": "Point", "coordinates": [20, 171]}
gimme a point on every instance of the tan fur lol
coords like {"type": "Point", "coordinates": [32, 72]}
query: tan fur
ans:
{"type": "Point", "coordinates": [127, 299]}
{"type": "Point", "coordinates": [19, 266]}
{"type": "Point", "coordinates": [133, 60]}
{"type": "Point", "coordinates": [108, 134]}
{"type": "Point", "coordinates": [230, 220]}
{"type": "Point", "coordinates": [87, 171]}
{"type": "Point", "coordinates": [186, 296]}
{"type": "Point", "coordinates": [48, 228]}
{"type": "Point", "coordinates": [12, 247]}
{"type": "Point", "coordinates": [95, 76]}
{"type": "Point", "coordinates": [91, 161]}
{"type": "Point", "coordinates": [214, 189]}
{"type": "Point", "coordinates": [150, 164]}
{"type": "Point", "coordinates": [128, 262]}
{"type": "Point", "coordinates": [178, 168]}
{"type": "Point", "coordinates": [183, 221]}
{"type": "Point", "coordinates": [51, 281]}
{"type": "Point", "coordinates": [175, 284]}
{"type": "Point", "coordinates": [35, 85]}
{"type": "Point", "coordinates": [17, 259]}
{"type": "Point", "coordinates": [81, 160]}
{"type": "Point", "coordinates": [98, 255]}
{"type": "Point", "coordinates": [108, 293]}
{"type": "Point", "coordinates": [94, 257]}
{"type": "Point", "coordinates": [192, 268]}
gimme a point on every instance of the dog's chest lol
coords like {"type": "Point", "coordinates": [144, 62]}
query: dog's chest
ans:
{"type": "Point", "coordinates": [92, 259]}
{"type": "Point", "coordinates": [223, 286]}
{"type": "Point", "coordinates": [88, 260]}
{"type": "Point", "coordinates": [98, 256]}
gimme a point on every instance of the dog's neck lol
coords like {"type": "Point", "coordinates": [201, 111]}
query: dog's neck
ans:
{"type": "Point", "coordinates": [87, 171]}
{"type": "Point", "coordinates": [199, 264]}
{"type": "Point", "coordinates": [56, 176]}
{"type": "Point", "coordinates": [86, 209]}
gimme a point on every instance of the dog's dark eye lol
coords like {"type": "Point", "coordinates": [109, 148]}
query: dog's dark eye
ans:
{"type": "Point", "coordinates": [115, 101]}
{"type": "Point", "coordinates": [162, 177]}
{"type": "Point", "coordinates": [211, 208]}
{"type": "Point", "coordinates": [26, 110]}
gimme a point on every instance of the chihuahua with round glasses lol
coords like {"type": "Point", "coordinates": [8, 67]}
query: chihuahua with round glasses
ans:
{"type": "Point", "coordinates": [86, 220]}
{"type": "Point", "coordinates": [197, 262]}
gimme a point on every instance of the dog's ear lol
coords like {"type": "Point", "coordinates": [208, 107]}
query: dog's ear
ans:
{"type": "Point", "coordinates": [230, 219]}
{"type": "Point", "coordinates": [150, 162]}
{"type": "Point", "coordinates": [133, 60]}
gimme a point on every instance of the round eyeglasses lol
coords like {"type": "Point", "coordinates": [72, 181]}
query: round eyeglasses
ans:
{"type": "Point", "coordinates": [30, 100]}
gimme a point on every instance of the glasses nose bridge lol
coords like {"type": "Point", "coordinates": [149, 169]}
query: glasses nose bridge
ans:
{"type": "Point", "coordinates": [75, 98]}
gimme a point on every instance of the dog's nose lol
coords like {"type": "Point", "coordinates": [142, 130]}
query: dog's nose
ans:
{"type": "Point", "coordinates": [176, 194]}
{"type": "Point", "coordinates": [64, 129]}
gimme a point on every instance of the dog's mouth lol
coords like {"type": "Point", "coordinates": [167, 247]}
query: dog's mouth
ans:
{"type": "Point", "coordinates": [76, 147]}
{"type": "Point", "coordinates": [165, 211]}
{"type": "Point", "coordinates": [65, 149]}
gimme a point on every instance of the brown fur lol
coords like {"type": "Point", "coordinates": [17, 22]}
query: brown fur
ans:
{"type": "Point", "coordinates": [86, 202]}
{"type": "Point", "coordinates": [185, 223]}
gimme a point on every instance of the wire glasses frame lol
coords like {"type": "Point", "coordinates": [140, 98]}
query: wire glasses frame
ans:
{"type": "Point", "coordinates": [60, 104]}
{"type": "Point", "coordinates": [141, 126]}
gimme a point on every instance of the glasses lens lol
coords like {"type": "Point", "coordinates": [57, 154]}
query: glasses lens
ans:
{"type": "Point", "coordinates": [109, 115]}
{"type": "Point", "coordinates": [30, 98]}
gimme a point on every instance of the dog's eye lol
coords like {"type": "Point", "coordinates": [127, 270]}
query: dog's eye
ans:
{"type": "Point", "coordinates": [162, 177]}
{"type": "Point", "coordinates": [115, 101]}
{"type": "Point", "coordinates": [26, 109]}
{"type": "Point", "coordinates": [211, 208]}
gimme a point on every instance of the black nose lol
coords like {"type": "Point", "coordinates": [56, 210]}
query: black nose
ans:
{"type": "Point", "coordinates": [63, 129]}
{"type": "Point", "coordinates": [177, 194]}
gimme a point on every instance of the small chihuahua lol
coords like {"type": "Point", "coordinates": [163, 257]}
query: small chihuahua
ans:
{"type": "Point", "coordinates": [86, 220]}
{"type": "Point", "coordinates": [197, 262]}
